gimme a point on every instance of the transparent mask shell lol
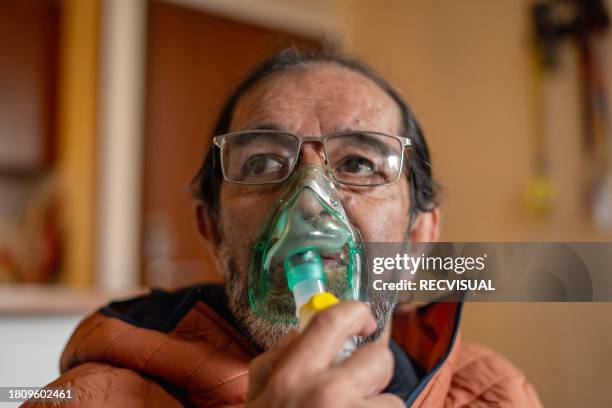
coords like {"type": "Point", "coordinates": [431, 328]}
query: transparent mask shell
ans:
{"type": "Point", "coordinates": [308, 216]}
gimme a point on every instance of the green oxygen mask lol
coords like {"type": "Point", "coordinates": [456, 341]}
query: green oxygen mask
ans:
{"type": "Point", "coordinates": [308, 243]}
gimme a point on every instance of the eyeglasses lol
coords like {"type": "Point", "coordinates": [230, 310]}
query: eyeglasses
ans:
{"type": "Point", "coordinates": [352, 157]}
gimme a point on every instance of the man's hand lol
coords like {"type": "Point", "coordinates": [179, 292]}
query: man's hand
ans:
{"type": "Point", "coordinates": [300, 372]}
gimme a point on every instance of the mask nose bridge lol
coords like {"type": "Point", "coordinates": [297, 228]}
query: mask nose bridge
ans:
{"type": "Point", "coordinates": [309, 203]}
{"type": "Point", "coordinates": [321, 186]}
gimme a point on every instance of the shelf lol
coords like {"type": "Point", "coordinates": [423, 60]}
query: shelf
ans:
{"type": "Point", "coordinates": [55, 299]}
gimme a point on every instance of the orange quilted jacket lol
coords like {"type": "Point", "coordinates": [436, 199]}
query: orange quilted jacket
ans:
{"type": "Point", "coordinates": [181, 349]}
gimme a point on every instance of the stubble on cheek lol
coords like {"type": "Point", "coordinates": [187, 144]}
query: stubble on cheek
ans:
{"type": "Point", "coordinates": [235, 251]}
{"type": "Point", "coordinates": [261, 332]}
{"type": "Point", "coordinates": [236, 243]}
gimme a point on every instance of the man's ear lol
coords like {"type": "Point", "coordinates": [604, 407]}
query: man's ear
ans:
{"type": "Point", "coordinates": [207, 226]}
{"type": "Point", "coordinates": [426, 226]}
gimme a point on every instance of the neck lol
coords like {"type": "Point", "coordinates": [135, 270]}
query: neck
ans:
{"type": "Point", "coordinates": [385, 336]}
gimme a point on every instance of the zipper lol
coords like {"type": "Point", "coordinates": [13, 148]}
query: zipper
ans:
{"type": "Point", "coordinates": [417, 391]}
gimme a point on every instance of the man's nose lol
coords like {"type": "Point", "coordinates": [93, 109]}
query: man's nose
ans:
{"type": "Point", "coordinates": [312, 153]}
{"type": "Point", "coordinates": [310, 207]}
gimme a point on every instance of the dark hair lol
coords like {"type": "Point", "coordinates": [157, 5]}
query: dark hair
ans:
{"type": "Point", "coordinates": [423, 189]}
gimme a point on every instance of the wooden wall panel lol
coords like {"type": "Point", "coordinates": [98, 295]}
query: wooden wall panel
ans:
{"type": "Point", "coordinates": [28, 60]}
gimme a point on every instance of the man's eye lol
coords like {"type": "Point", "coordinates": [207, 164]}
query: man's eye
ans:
{"type": "Point", "coordinates": [261, 164]}
{"type": "Point", "coordinates": [356, 165]}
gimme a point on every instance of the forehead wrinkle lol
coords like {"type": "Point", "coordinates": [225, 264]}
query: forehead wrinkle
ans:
{"type": "Point", "coordinates": [271, 102]}
{"type": "Point", "coordinates": [326, 96]}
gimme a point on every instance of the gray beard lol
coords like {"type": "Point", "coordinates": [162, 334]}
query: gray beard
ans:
{"type": "Point", "coordinates": [265, 333]}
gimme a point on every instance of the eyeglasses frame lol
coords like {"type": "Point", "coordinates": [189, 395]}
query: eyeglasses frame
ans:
{"type": "Point", "coordinates": [219, 141]}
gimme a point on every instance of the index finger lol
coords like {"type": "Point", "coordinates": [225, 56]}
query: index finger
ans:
{"type": "Point", "coordinates": [262, 365]}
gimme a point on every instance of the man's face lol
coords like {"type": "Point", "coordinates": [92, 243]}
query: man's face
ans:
{"type": "Point", "coordinates": [315, 100]}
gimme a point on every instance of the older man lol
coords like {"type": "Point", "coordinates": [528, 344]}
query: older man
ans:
{"type": "Point", "coordinates": [310, 151]}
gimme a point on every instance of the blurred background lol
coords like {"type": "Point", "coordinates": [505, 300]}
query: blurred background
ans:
{"type": "Point", "coordinates": [107, 108]}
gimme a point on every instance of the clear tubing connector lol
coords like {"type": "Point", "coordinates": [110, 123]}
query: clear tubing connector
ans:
{"type": "Point", "coordinates": [306, 279]}
{"type": "Point", "coordinates": [303, 291]}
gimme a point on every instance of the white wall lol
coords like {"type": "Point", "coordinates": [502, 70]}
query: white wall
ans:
{"type": "Point", "coordinates": [30, 349]}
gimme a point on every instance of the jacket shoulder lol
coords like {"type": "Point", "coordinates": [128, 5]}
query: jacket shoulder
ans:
{"type": "Point", "coordinates": [162, 310]}
{"type": "Point", "coordinates": [176, 343]}
{"type": "Point", "coordinates": [481, 376]}
{"type": "Point", "coordinates": [103, 385]}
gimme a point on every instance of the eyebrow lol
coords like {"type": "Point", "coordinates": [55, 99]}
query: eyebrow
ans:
{"type": "Point", "coordinates": [245, 138]}
{"type": "Point", "coordinates": [273, 126]}
{"type": "Point", "coordinates": [369, 141]}
{"type": "Point", "coordinates": [365, 140]}
{"type": "Point", "coordinates": [269, 126]}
